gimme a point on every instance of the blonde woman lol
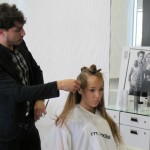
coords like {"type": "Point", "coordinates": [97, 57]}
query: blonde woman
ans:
{"type": "Point", "coordinates": [84, 123]}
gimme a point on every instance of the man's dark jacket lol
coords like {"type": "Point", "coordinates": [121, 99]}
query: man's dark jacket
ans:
{"type": "Point", "coordinates": [13, 95]}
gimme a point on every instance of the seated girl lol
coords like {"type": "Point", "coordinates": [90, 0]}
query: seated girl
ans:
{"type": "Point", "coordinates": [84, 123]}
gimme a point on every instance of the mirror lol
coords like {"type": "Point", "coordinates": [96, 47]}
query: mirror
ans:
{"type": "Point", "coordinates": [126, 30]}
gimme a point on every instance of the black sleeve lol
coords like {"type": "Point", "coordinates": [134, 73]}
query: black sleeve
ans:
{"type": "Point", "coordinates": [11, 88]}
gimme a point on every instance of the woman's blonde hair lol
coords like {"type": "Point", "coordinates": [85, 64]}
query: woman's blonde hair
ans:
{"type": "Point", "coordinates": [75, 98]}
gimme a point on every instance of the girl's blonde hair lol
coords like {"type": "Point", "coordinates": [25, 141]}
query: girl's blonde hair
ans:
{"type": "Point", "coordinates": [75, 98]}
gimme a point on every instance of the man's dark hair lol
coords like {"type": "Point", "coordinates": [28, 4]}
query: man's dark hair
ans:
{"type": "Point", "coordinates": [9, 14]}
{"type": "Point", "coordinates": [140, 52]}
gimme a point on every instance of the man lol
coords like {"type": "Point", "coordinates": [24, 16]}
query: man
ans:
{"type": "Point", "coordinates": [21, 85]}
{"type": "Point", "coordinates": [136, 74]}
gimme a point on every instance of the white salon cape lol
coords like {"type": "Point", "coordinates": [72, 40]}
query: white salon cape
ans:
{"type": "Point", "coordinates": [84, 131]}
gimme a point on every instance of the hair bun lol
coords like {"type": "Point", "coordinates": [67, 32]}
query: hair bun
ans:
{"type": "Point", "coordinates": [92, 69]}
{"type": "Point", "coordinates": [84, 68]}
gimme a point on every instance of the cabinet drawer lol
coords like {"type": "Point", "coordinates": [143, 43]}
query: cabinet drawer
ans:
{"type": "Point", "coordinates": [135, 137]}
{"type": "Point", "coordinates": [135, 120]}
{"type": "Point", "coordinates": [114, 115]}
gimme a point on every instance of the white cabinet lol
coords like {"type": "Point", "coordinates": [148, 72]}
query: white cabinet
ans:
{"type": "Point", "coordinates": [135, 130]}
{"type": "Point", "coordinates": [135, 120]}
{"type": "Point", "coordinates": [115, 115]}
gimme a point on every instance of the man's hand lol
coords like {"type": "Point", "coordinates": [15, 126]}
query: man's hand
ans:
{"type": "Point", "coordinates": [68, 85]}
{"type": "Point", "coordinates": [39, 109]}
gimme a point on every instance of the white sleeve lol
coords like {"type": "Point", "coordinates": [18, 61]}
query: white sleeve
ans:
{"type": "Point", "coordinates": [62, 138]}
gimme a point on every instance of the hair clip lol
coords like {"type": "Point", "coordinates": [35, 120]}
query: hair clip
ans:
{"type": "Point", "coordinates": [94, 71]}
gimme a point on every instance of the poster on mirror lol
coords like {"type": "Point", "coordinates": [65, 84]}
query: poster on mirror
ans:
{"type": "Point", "coordinates": [135, 74]}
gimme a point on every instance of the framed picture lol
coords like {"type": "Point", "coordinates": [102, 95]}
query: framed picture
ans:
{"type": "Point", "coordinates": [135, 72]}
{"type": "Point", "coordinates": [134, 62]}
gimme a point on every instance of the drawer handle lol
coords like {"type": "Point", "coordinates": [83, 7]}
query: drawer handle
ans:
{"type": "Point", "coordinates": [134, 119]}
{"type": "Point", "coordinates": [134, 132]}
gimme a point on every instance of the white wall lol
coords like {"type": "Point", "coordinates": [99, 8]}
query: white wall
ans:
{"type": "Point", "coordinates": [121, 32]}
{"type": "Point", "coordinates": [122, 21]}
{"type": "Point", "coordinates": [63, 36]}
